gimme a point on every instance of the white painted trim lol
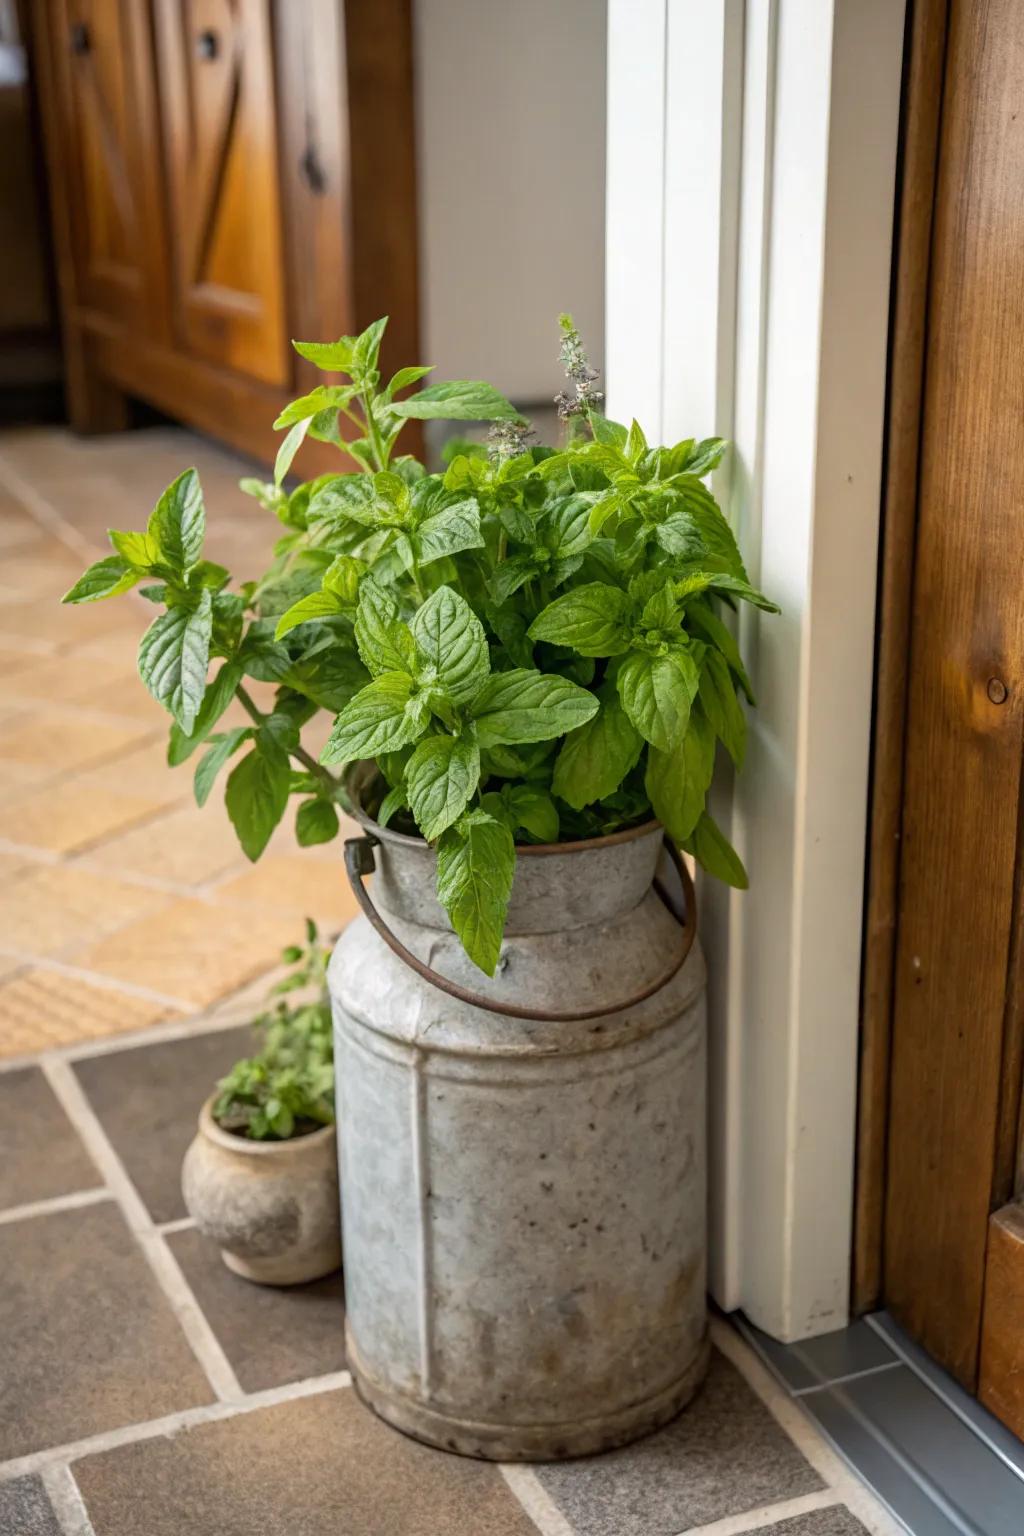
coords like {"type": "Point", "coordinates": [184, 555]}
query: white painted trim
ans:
{"type": "Point", "coordinates": [773, 272]}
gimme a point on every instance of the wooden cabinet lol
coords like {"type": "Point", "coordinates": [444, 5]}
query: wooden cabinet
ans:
{"type": "Point", "coordinates": [225, 175]}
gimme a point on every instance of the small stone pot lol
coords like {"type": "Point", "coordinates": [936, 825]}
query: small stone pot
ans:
{"type": "Point", "coordinates": [272, 1206]}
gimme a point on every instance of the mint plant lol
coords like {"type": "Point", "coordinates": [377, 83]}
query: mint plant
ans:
{"type": "Point", "coordinates": [530, 643]}
{"type": "Point", "coordinates": [287, 1088]}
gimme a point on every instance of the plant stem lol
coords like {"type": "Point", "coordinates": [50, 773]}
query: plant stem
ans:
{"type": "Point", "coordinates": [256, 714]}
{"type": "Point", "coordinates": [373, 431]}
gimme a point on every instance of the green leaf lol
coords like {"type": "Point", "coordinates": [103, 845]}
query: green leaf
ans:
{"type": "Point", "coordinates": [316, 821]}
{"type": "Point", "coordinates": [529, 706]}
{"type": "Point", "coordinates": [366, 348]}
{"type": "Point", "coordinates": [612, 433]}
{"type": "Point", "coordinates": [697, 527]}
{"type": "Point", "coordinates": [342, 577]}
{"type": "Point", "coordinates": [713, 852]}
{"type": "Point", "coordinates": [289, 448]}
{"type": "Point", "coordinates": [139, 550]}
{"type": "Point", "coordinates": [395, 800]}
{"type": "Point", "coordinates": [451, 641]}
{"type": "Point", "coordinates": [742, 589]}
{"type": "Point", "coordinates": [457, 400]}
{"type": "Point", "coordinates": [722, 707]}
{"type": "Point", "coordinates": [699, 617]}
{"type": "Point", "coordinates": [257, 794]}
{"type": "Point", "coordinates": [316, 605]}
{"type": "Point", "coordinates": [677, 782]}
{"type": "Point", "coordinates": [326, 397]}
{"type": "Point", "coordinates": [207, 573]}
{"type": "Point", "coordinates": [592, 620]}
{"type": "Point", "coordinates": [509, 575]}
{"type": "Point", "coordinates": [403, 378]}
{"type": "Point", "coordinates": [107, 578]}
{"type": "Point", "coordinates": [595, 759]}
{"type": "Point", "coordinates": [331, 356]}
{"type": "Point", "coordinates": [440, 778]}
{"type": "Point", "coordinates": [449, 531]}
{"type": "Point", "coordinates": [212, 761]}
{"type": "Point", "coordinates": [381, 718]}
{"type": "Point", "coordinates": [177, 523]}
{"type": "Point", "coordinates": [476, 863]}
{"type": "Point", "coordinates": [215, 701]}
{"type": "Point", "coordinates": [636, 442]}
{"type": "Point", "coordinates": [173, 657]}
{"type": "Point", "coordinates": [385, 644]}
{"type": "Point", "coordinates": [706, 456]}
{"type": "Point", "coordinates": [656, 693]}
{"type": "Point", "coordinates": [535, 810]}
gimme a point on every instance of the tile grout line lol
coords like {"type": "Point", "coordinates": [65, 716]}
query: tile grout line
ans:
{"type": "Point", "coordinates": [56, 1203]}
{"type": "Point", "coordinates": [234, 1009]}
{"type": "Point", "coordinates": [171, 1423]}
{"type": "Point", "coordinates": [43, 511]}
{"type": "Point", "coordinates": [66, 1500]}
{"type": "Point", "coordinates": [768, 1514]}
{"type": "Point", "coordinates": [805, 1434]}
{"type": "Point", "coordinates": [840, 1381]}
{"type": "Point", "coordinates": [98, 978]}
{"type": "Point", "coordinates": [205, 1345]}
{"type": "Point", "coordinates": [182, 1224]}
{"type": "Point", "coordinates": [533, 1497]}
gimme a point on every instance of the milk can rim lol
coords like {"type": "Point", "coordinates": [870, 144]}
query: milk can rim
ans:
{"type": "Point", "coordinates": [404, 840]}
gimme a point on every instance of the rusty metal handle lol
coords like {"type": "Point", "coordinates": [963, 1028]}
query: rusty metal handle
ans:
{"type": "Point", "coordinates": [359, 862]}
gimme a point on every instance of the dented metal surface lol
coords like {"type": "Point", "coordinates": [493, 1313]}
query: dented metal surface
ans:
{"type": "Point", "coordinates": [523, 1202]}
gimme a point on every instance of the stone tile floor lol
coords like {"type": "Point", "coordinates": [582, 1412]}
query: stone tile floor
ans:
{"type": "Point", "coordinates": [144, 1389]}
{"type": "Point", "coordinates": [122, 905]}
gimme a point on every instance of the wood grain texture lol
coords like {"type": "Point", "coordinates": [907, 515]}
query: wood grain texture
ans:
{"type": "Point", "coordinates": [963, 761]}
{"type": "Point", "coordinates": [1001, 1374]}
{"type": "Point", "coordinates": [279, 138]}
{"type": "Point", "coordinates": [216, 70]}
{"type": "Point", "coordinates": [919, 141]}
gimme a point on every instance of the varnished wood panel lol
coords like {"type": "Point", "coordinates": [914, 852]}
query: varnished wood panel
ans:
{"type": "Point", "coordinates": [919, 139]}
{"type": "Point", "coordinates": [964, 733]}
{"type": "Point", "coordinates": [1001, 1377]}
{"type": "Point", "coordinates": [108, 133]}
{"type": "Point", "coordinates": [220, 148]}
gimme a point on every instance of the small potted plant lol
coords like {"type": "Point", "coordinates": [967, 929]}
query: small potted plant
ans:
{"type": "Point", "coordinates": [529, 661]}
{"type": "Point", "coordinates": [261, 1176]}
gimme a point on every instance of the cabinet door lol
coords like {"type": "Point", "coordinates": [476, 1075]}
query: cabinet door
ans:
{"type": "Point", "coordinates": [107, 137]}
{"type": "Point", "coordinates": [216, 74]}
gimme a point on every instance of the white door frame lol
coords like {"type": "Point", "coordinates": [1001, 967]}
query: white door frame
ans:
{"type": "Point", "coordinates": [751, 177]}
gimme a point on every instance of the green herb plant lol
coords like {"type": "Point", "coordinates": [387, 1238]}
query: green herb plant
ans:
{"type": "Point", "coordinates": [531, 643]}
{"type": "Point", "coordinates": [287, 1089]}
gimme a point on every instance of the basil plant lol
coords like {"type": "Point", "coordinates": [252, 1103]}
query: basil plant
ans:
{"type": "Point", "coordinates": [529, 643]}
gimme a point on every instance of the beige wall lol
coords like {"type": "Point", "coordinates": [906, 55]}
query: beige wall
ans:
{"type": "Point", "coordinates": [511, 125]}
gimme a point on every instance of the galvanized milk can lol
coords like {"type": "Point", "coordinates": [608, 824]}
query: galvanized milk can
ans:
{"type": "Point", "coordinates": [522, 1159]}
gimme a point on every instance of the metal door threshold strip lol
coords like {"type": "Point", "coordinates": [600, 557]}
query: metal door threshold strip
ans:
{"type": "Point", "coordinates": [940, 1463]}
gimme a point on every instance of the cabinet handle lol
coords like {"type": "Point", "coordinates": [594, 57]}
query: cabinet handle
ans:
{"type": "Point", "coordinates": [208, 44]}
{"type": "Point", "coordinates": [80, 40]}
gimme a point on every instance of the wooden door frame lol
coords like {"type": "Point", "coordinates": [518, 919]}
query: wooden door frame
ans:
{"type": "Point", "coordinates": [996, 1365]}
{"type": "Point", "coordinates": [918, 161]}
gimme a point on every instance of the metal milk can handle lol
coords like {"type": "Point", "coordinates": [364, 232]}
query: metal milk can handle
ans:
{"type": "Point", "coordinates": [359, 862]}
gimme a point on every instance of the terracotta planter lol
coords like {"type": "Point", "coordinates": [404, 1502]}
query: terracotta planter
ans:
{"type": "Point", "coordinates": [272, 1206]}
